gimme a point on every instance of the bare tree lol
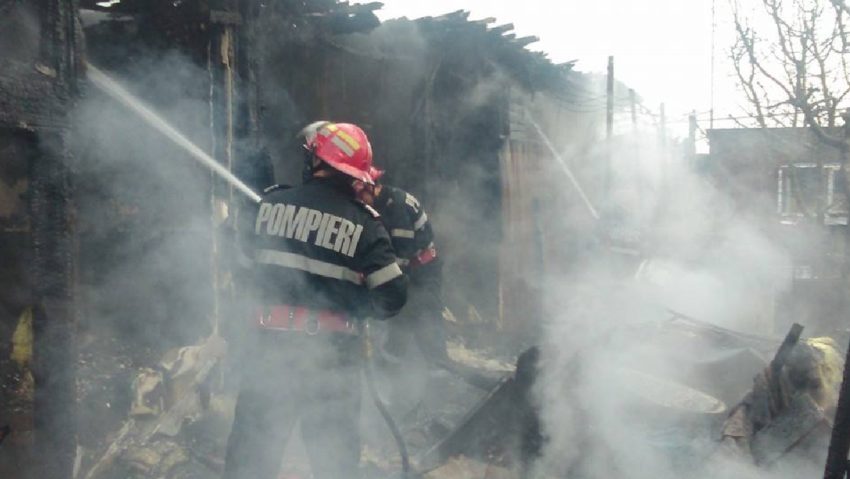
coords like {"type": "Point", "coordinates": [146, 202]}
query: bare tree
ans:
{"type": "Point", "coordinates": [790, 58]}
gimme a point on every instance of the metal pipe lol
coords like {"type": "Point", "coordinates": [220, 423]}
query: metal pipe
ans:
{"type": "Point", "coordinates": [117, 92]}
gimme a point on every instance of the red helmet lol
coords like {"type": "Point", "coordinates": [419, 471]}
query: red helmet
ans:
{"type": "Point", "coordinates": [343, 146]}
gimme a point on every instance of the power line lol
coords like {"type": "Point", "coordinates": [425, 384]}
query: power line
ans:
{"type": "Point", "coordinates": [584, 90]}
{"type": "Point", "coordinates": [569, 105]}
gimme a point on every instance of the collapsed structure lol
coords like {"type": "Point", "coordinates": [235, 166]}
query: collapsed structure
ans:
{"type": "Point", "coordinates": [226, 74]}
{"type": "Point", "coordinates": [115, 253]}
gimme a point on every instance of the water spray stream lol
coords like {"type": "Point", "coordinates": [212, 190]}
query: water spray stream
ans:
{"type": "Point", "coordinates": [564, 166]}
{"type": "Point", "coordinates": [119, 93]}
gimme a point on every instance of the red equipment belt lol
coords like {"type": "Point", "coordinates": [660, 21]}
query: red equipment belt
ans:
{"type": "Point", "coordinates": [296, 318]}
{"type": "Point", "coordinates": [421, 258]}
{"type": "Point", "coordinates": [424, 256]}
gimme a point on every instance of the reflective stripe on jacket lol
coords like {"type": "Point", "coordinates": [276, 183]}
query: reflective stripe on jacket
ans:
{"type": "Point", "coordinates": [408, 224]}
{"type": "Point", "coordinates": [315, 246]}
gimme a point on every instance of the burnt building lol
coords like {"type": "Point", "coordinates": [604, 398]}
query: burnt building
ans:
{"type": "Point", "coordinates": [457, 111]}
{"type": "Point", "coordinates": [113, 239]}
{"type": "Point", "coordinates": [792, 185]}
{"type": "Point", "coordinates": [38, 78]}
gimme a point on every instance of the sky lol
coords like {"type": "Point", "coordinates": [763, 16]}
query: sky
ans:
{"type": "Point", "coordinates": [661, 48]}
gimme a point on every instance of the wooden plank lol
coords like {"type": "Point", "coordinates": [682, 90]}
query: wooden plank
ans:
{"type": "Point", "coordinates": [135, 433]}
{"type": "Point", "coordinates": [495, 424]}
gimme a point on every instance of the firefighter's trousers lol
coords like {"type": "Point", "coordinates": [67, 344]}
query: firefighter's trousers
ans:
{"type": "Point", "coordinates": [291, 376]}
{"type": "Point", "coordinates": [420, 322]}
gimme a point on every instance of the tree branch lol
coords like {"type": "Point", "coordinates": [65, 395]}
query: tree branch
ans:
{"type": "Point", "coordinates": [841, 5]}
{"type": "Point", "coordinates": [797, 61]}
{"type": "Point", "coordinates": [739, 51]}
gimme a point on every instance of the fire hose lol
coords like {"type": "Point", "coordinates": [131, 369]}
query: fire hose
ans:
{"type": "Point", "coordinates": [380, 405]}
{"type": "Point", "coordinates": [117, 92]}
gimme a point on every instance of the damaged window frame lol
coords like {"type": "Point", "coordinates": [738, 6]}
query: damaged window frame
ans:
{"type": "Point", "coordinates": [792, 213]}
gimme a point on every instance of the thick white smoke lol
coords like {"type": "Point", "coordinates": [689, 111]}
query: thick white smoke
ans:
{"type": "Point", "coordinates": [602, 350]}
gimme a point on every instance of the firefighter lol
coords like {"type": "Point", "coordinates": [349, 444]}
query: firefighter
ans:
{"type": "Point", "coordinates": [321, 260]}
{"type": "Point", "coordinates": [413, 240]}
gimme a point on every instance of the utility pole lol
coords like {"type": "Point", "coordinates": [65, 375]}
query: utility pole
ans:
{"type": "Point", "coordinates": [692, 136]}
{"type": "Point", "coordinates": [609, 110]}
{"type": "Point", "coordinates": [609, 124]}
{"type": "Point", "coordinates": [713, 42]}
{"type": "Point", "coordinates": [637, 175]}
{"type": "Point", "coordinates": [664, 154]}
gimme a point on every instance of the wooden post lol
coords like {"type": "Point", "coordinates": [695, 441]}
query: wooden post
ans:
{"type": "Point", "coordinates": [663, 153]}
{"type": "Point", "coordinates": [609, 109]}
{"type": "Point", "coordinates": [54, 357]}
{"type": "Point", "coordinates": [50, 205]}
{"type": "Point", "coordinates": [221, 63]}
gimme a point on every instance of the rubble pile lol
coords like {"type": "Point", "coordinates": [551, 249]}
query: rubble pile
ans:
{"type": "Point", "coordinates": [164, 423]}
{"type": "Point", "coordinates": [786, 416]}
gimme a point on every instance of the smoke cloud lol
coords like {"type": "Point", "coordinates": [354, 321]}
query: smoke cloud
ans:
{"type": "Point", "coordinates": [606, 405]}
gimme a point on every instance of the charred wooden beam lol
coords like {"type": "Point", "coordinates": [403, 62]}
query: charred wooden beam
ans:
{"type": "Point", "coordinates": [484, 21]}
{"type": "Point", "coordinates": [35, 97]}
{"type": "Point", "coordinates": [523, 41]}
{"type": "Point", "coordinates": [501, 29]}
{"type": "Point", "coordinates": [222, 63]}
{"type": "Point", "coordinates": [503, 423]}
{"type": "Point", "coordinates": [251, 160]}
{"type": "Point", "coordinates": [461, 15]}
{"type": "Point", "coordinates": [53, 322]}
{"type": "Point", "coordinates": [26, 101]}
